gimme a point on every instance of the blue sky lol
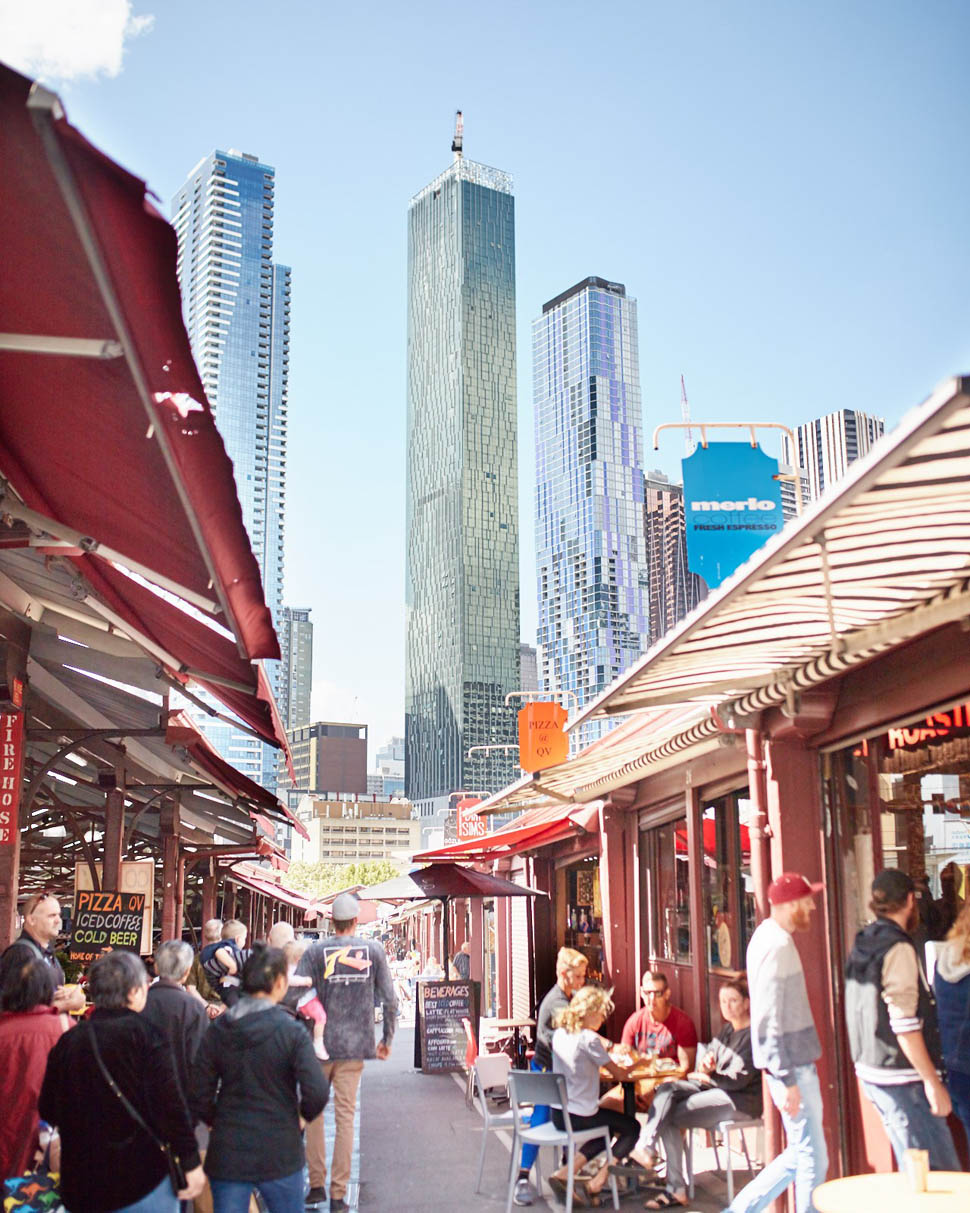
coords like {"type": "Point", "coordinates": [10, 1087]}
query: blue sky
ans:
{"type": "Point", "coordinates": [782, 187]}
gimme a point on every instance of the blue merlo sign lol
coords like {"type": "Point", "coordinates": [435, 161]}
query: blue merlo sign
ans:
{"type": "Point", "coordinates": [732, 504]}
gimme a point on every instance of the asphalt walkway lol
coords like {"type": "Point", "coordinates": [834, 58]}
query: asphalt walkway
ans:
{"type": "Point", "coordinates": [420, 1143]}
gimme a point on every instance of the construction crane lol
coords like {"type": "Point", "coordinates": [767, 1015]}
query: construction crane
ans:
{"type": "Point", "coordinates": [459, 132]}
{"type": "Point", "coordinates": [685, 417]}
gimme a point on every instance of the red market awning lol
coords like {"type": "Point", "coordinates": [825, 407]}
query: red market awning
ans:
{"type": "Point", "coordinates": [108, 447]}
{"type": "Point", "coordinates": [535, 828]}
{"type": "Point", "coordinates": [181, 731]}
{"type": "Point", "coordinates": [269, 888]}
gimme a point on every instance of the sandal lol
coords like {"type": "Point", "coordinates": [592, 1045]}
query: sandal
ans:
{"type": "Point", "coordinates": [579, 1192]}
{"type": "Point", "coordinates": [664, 1200]}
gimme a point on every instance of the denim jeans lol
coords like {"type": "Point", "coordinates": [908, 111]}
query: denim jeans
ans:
{"type": "Point", "coordinates": [804, 1161]}
{"type": "Point", "coordinates": [281, 1195]}
{"type": "Point", "coordinates": [540, 1114]}
{"type": "Point", "coordinates": [958, 1084]}
{"type": "Point", "coordinates": [910, 1125]}
{"type": "Point", "coordinates": [159, 1200]}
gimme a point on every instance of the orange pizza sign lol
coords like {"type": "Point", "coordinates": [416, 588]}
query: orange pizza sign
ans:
{"type": "Point", "coordinates": [542, 742]}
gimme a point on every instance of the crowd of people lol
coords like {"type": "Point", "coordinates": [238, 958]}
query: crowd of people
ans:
{"type": "Point", "coordinates": [909, 1041]}
{"type": "Point", "coordinates": [207, 1083]}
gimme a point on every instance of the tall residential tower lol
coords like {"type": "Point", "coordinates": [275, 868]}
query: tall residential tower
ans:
{"type": "Point", "coordinates": [462, 579]}
{"type": "Point", "coordinates": [827, 445]}
{"type": "Point", "coordinates": [591, 563]}
{"type": "Point", "coordinates": [236, 304]}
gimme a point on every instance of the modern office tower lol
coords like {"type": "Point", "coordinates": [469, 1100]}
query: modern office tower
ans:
{"type": "Point", "coordinates": [673, 591]}
{"type": "Point", "coordinates": [827, 445]}
{"type": "Point", "coordinates": [528, 668]}
{"type": "Point", "coordinates": [387, 778]}
{"type": "Point", "coordinates": [329, 756]}
{"type": "Point", "coordinates": [296, 667]}
{"type": "Point", "coordinates": [236, 304]}
{"type": "Point", "coordinates": [592, 571]}
{"type": "Point", "coordinates": [462, 579]}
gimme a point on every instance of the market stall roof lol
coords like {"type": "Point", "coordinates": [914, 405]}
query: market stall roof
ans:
{"type": "Point", "coordinates": [882, 556]}
{"type": "Point", "coordinates": [442, 881]}
{"type": "Point", "coordinates": [584, 778]}
{"type": "Point", "coordinates": [109, 454]}
{"type": "Point", "coordinates": [250, 876]}
{"type": "Point", "coordinates": [535, 828]}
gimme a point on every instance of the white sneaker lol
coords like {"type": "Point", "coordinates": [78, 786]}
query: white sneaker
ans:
{"type": "Point", "coordinates": [523, 1193]}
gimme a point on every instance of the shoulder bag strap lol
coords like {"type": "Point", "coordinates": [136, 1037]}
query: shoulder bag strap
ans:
{"type": "Point", "coordinates": [122, 1098]}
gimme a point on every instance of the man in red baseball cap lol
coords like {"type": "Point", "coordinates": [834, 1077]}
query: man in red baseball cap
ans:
{"type": "Point", "coordinates": [786, 1046]}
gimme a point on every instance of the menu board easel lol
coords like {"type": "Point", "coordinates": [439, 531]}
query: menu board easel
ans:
{"type": "Point", "coordinates": [439, 1038]}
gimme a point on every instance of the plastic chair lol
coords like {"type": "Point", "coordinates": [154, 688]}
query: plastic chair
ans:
{"type": "Point", "coordinates": [527, 1089]}
{"type": "Point", "coordinates": [488, 1072]}
{"type": "Point", "coordinates": [471, 1053]}
{"type": "Point", "coordinates": [737, 1120]}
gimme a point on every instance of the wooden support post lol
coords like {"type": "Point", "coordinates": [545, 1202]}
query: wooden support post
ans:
{"type": "Point", "coordinates": [169, 823]}
{"type": "Point", "coordinates": [695, 901]}
{"type": "Point", "coordinates": [210, 885]}
{"type": "Point", "coordinates": [16, 641]}
{"type": "Point", "coordinates": [228, 901]}
{"type": "Point", "coordinates": [618, 875]}
{"type": "Point", "coordinates": [179, 896]}
{"type": "Point", "coordinates": [114, 838]}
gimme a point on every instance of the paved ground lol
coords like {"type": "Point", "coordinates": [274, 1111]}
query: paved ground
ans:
{"type": "Point", "coordinates": [419, 1147]}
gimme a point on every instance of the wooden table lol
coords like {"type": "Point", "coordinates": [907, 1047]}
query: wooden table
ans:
{"type": "Point", "coordinates": [946, 1191]}
{"type": "Point", "coordinates": [644, 1080]}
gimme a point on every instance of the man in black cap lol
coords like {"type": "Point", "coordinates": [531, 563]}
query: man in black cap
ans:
{"type": "Point", "coordinates": [351, 976]}
{"type": "Point", "coordinates": [893, 1033]}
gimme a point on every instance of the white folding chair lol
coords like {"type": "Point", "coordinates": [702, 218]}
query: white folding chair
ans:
{"type": "Point", "coordinates": [526, 1089]}
{"type": "Point", "coordinates": [490, 1071]}
{"type": "Point", "coordinates": [736, 1121]}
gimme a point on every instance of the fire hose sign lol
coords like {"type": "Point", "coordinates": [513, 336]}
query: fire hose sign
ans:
{"type": "Point", "coordinates": [106, 921]}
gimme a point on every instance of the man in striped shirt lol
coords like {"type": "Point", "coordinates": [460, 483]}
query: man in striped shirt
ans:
{"type": "Point", "coordinates": [786, 1045]}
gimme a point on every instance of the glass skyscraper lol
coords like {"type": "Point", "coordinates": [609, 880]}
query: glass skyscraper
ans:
{"type": "Point", "coordinates": [236, 304]}
{"type": "Point", "coordinates": [462, 574]}
{"type": "Point", "coordinates": [590, 557]}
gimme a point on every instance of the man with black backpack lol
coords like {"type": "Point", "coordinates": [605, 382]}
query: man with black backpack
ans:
{"type": "Point", "coordinates": [41, 927]}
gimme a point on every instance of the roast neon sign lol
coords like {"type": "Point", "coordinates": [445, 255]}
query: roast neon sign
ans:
{"type": "Point", "coordinates": [937, 727]}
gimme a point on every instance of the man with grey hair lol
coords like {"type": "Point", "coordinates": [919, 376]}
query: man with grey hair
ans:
{"type": "Point", "coordinates": [179, 1016]}
{"type": "Point", "coordinates": [280, 934]}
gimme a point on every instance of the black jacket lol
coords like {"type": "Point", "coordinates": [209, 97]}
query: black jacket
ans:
{"type": "Point", "coordinates": [107, 1160]}
{"type": "Point", "coordinates": [255, 1075]}
{"type": "Point", "coordinates": [182, 1021]}
{"type": "Point", "coordinates": [872, 1040]}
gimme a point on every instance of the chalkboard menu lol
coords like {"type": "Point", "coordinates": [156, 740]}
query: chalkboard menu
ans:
{"type": "Point", "coordinates": [104, 922]}
{"type": "Point", "coordinates": [442, 1005]}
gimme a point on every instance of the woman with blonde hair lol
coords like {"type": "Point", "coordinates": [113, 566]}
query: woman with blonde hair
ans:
{"type": "Point", "coordinates": [578, 1052]}
{"type": "Point", "coordinates": [951, 984]}
{"type": "Point", "coordinates": [570, 977]}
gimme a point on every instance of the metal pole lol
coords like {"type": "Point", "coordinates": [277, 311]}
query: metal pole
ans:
{"type": "Point", "coordinates": [444, 935]}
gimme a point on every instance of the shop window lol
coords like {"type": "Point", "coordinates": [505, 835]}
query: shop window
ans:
{"type": "Point", "coordinates": [729, 905]}
{"type": "Point", "coordinates": [664, 859]}
{"type": "Point", "coordinates": [584, 914]}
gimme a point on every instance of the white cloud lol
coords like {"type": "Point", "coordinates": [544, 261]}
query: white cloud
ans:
{"type": "Point", "coordinates": [63, 40]}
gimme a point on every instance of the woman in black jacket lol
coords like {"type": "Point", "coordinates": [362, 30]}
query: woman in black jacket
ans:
{"type": "Point", "coordinates": [255, 1075]}
{"type": "Point", "coordinates": [111, 1155]}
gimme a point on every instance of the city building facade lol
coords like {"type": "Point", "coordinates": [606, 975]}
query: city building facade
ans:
{"type": "Point", "coordinates": [295, 630]}
{"type": "Point", "coordinates": [672, 589]}
{"type": "Point", "coordinates": [462, 571]}
{"type": "Point", "coordinates": [329, 756]}
{"type": "Point", "coordinates": [236, 305]}
{"type": "Point", "coordinates": [528, 668]}
{"type": "Point", "coordinates": [590, 557]}
{"type": "Point", "coordinates": [387, 777]}
{"type": "Point", "coordinates": [353, 831]}
{"type": "Point", "coordinates": [829, 444]}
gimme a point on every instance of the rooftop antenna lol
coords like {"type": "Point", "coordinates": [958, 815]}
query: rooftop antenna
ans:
{"type": "Point", "coordinates": [685, 416]}
{"type": "Point", "coordinates": [459, 131]}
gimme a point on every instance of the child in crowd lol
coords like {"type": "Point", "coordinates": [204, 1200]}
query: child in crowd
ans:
{"type": "Point", "coordinates": [222, 961]}
{"type": "Point", "coordinates": [306, 1003]}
